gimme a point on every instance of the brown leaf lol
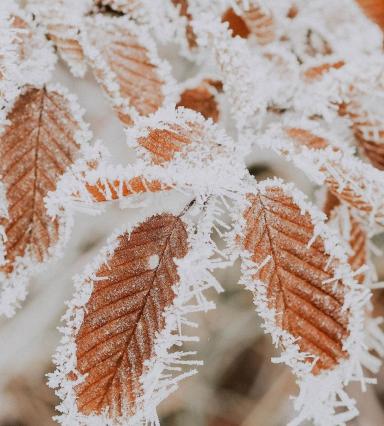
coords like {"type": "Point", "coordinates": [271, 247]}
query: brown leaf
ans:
{"type": "Point", "coordinates": [305, 306]}
{"type": "Point", "coordinates": [35, 150]}
{"type": "Point", "coordinates": [124, 314]}
{"type": "Point", "coordinates": [127, 64]}
{"type": "Point", "coordinates": [201, 99]}
{"type": "Point", "coordinates": [114, 190]}
{"type": "Point", "coordinates": [374, 9]}
{"type": "Point", "coordinates": [253, 22]}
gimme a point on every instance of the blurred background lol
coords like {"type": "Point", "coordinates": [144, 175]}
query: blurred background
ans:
{"type": "Point", "coordinates": [237, 386]}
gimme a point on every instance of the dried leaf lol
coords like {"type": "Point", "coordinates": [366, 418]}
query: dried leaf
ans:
{"type": "Point", "coordinates": [180, 132]}
{"type": "Point", "coordinates": [106, 190]}
{"type": "Point", "coordinates": [124, 61]}
{"type": "Point", "coordinates": [253, 22]}
{"type": "Point", "coordinates": [201, 99]}
{"type": "Point", "coordinates": [374, 9]}
{"type": "Point", "coordinates": [124, 314]}
{"type": "Point", "coordinates": [40, 142]}
{"type": "Point", "coordinates": [305, 306]}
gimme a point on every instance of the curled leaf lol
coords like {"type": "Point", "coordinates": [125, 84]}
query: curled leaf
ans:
{"type": "Point", "coordinates": [347, 177]}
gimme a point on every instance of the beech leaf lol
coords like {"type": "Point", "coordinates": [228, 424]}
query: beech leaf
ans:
{"type": "Point", "coordinates": [38, 145]}
{"type": "Point", "coordinates": [125, 63]}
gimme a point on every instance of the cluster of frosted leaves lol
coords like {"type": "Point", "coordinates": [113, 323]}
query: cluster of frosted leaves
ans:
{"type": "Point", "coordinates": [305, 292]}
{"type": "Point", "coordinates": [119, 51]}
{"type": "Point", "coordinates": [38, 145]}
{"type": "Point", "coordinates": [114, 364]}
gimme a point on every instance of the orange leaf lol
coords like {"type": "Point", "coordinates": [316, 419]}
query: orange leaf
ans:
{"type": "Point", "coordinates": [36, 148]}
{"type": "Point", "coordinates": [306, 307]}
{"type": "Point", "coordinates": [107, 190]}
{"type": "Point", "coordinates": [125, 66]}
{"type": "Point", "coordinates": [124, 314]}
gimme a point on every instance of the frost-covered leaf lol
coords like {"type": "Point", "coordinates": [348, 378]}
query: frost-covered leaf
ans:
{"type": "Point", "coordinates": [61, 21]}
{"type": "Point", "coordinates": [125, 312]}
{"type": "Point", "coordinates": [356, 183]}
{"type": "Point", "coordinates": [180, 133]}
{"type": "Point", "coordinates": [374, 9]}
{"type": "Point", "coordinates": [106, 190]}
{"type": "Point", "coordinates": [38, 145]}
{"type": "Point", "coordinates": [36, 59]}
{"type": "Point", "coordinates": [294, 275]}
{"type": "Point", "coordinates": [306, 295]}
{"type": "Point", "coordinates": [202, 98]}
{"type": "Point", "coordinates": [125, 63]}
{"type": "Point", "coordinates": [117, 362]}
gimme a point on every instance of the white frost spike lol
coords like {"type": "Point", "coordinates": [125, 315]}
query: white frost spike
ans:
{"type": "Point", "coordinates": [165, 368]}
{"type": "Point", "coordinates": [321, 397]}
